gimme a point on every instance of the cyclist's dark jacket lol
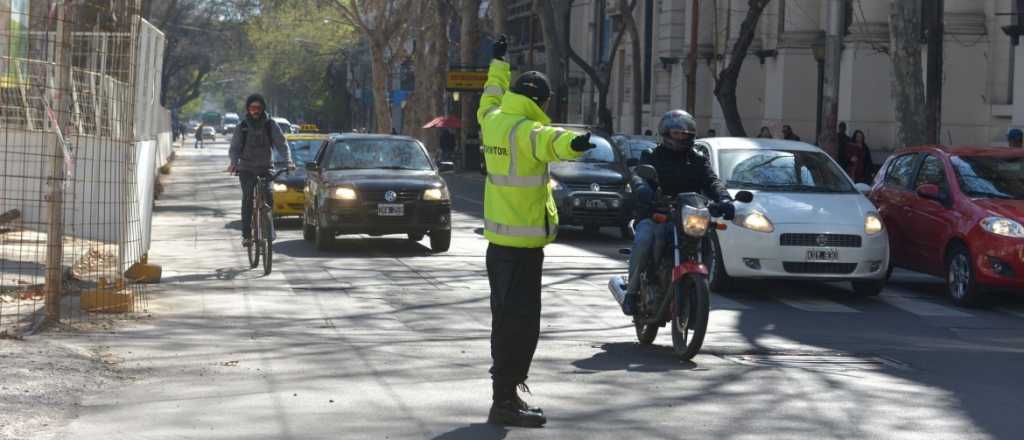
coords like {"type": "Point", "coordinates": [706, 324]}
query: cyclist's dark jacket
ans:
{"type": "Point", "coordinates": [678, 172]}
{"type": "Point", "coordinates": [255, 155]}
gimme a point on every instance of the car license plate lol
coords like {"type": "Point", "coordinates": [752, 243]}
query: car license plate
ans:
{"type": "Point", "coordinates": [390, 210]}
{"type": "Point", "coordinates": [596, 204]}
{"type": "Point", "coordinates": [822, 254]}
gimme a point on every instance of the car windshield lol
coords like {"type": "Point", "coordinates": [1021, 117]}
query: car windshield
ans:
{"type": "Point", "coordinates": [990, 177]}
{"type": "Point", "coordinates": [302, 151]}
{"type": "Point", "coordinates": [637, 147]}
{"type": "Point", "coordinates": [602, 151]}
{"type": "Point", "coordinates": [781, 170]}
{"type": "Point", "coordinates": [393, 154]}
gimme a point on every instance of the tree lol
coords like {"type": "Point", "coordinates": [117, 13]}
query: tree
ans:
{"type": "Point", "coordinates": [601, 75]}
{"type": "Point", "coordinates": [500, 16]}
{"type": "Point", "coordinates": [728, 78]}
{"type": "Point", "coordinates": [638, 78]}
{"type": "Point", "coordinates": [382, 23]}
{"type": "Point", "coordinates": [907, 83]}
{"type": "Point", "coordinates": [430, 58]}
{"type": "Point", "coordinates": [468, 46]}
{"type": "Point", "coordinates": [553, 20]}
{"type": "Point", "coordinates": [935, 13]}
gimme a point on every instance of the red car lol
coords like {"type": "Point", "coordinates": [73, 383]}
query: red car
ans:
{"type": "Point", "coordinates": [956, 213]}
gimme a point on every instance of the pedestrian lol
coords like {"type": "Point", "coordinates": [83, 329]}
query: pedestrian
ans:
{"type": "Point", "coordinates": [765, 133]}
{"type": "Point", "coordinates": [251, 156]}
{"type": "Point", "coordinates": [841, 140]}
{"type": "Point", "coordinates": [447, 144]}
{"type": "Point", "coordinates": [518, 146]}
{"type": "Point", "coordinates": [712, 133]}
{"type": "Point", "coordinates": [788, 134]}
{"type": "Point", "coordinates": [648, 132]}
{"type": "Point", "coordinates": [856, 158]}
{"type": "Point", "coordinates": [199, 135]}
{"type": "Point", "coordinates": [1015, 138]}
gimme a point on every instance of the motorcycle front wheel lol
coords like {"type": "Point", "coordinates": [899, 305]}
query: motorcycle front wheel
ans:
{"type": "Point", "coordinates": [690, 309]}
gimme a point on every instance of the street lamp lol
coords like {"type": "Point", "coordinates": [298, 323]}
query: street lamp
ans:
{"type": "Point", "coordinates": [818, 50]}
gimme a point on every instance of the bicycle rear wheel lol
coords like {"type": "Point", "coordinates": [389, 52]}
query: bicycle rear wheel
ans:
{"type": "Point", "coordinates": [690, 310]}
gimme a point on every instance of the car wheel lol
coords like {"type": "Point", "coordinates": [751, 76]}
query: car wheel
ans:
{"type": "Point", "coordinates": [960, 281]}
{"type": "Point", "coordinates": [626, 231]}
{"type": "Point", "coordinates": [324, 239]}
{"type": "Point", "coordinates": [415, 236]}
{"type": "Point", "coordinates": [440, 241]}
{"type": "Point", "coordinates": [718, 278]}
{"type": "Point", "coordinates": [867, 288]}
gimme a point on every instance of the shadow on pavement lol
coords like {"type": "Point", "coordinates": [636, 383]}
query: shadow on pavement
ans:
{"type": "Point", "coordinates": [355, 247]}
{"type": "Point", "coordinates": [476, 431]}
{"type": "Point", "coordinates": [630, 356]}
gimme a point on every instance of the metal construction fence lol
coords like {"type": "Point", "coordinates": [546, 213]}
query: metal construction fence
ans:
{"type": "Point", "coordinates": [81, 137]}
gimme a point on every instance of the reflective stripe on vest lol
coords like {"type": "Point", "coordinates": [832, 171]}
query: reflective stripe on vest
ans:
{"type": "Point", "coordinates": [494, 91]}
{"type": "Point", "coordinates": [519, 181]}
{"type": "Point", "coordinates": [514, 231]}
{"type": "Point", "coordinates": [513, 169]}
{"type": "Point", "coordinates": [533, 142]}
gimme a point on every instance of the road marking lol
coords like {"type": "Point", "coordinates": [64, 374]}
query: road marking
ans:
{"type": "Point", "coordinates": [923, 307]}
{"type": "Point", "coordinates": [1015, 312]}
{"type": "Point", "coordinates": [467, 199]}
{"type": "Point", "coordinates": [720, 302]}
{"type": "Point", "coordinates": [812, 304]}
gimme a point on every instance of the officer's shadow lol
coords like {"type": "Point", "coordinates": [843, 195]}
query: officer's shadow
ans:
{"type": "Point", "coordinates": [475, 431]}
{"type": "Point", "coordinates": [631, 356]}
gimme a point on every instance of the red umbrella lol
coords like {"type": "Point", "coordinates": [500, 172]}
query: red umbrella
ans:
{"type": "Point", "coordinates": [444, 122]}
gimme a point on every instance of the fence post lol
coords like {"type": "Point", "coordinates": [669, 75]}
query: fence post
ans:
{"type": "Point", "coordinates": [55, 200]}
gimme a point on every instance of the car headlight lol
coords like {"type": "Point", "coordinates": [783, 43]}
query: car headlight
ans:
{"type": "Point", "coordinates": [555, 185]}
{"type": "Point", "coordinates": [1003, 226]}
{"type": "Point", "coordinates": [279, 187]}
{"type": "Point", "coordinates": [628, 189]}
{"type": "Point", "coordinates": [872, 224]}
{"type": "Point", "coordinates": [755, 221]}
{"type": "Point", "coordinates": [345, 193]}
{"type": "Point", "coordinates": [436, 194]}
{"type": "Point", "coordinates": [695, 221]}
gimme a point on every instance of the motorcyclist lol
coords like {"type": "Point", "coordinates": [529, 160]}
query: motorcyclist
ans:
{"type": "Point", "coordinates": [680, 169]}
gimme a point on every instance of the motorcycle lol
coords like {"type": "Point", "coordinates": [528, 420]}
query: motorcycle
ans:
{"type": "Point", "coordinates": [675, 290]}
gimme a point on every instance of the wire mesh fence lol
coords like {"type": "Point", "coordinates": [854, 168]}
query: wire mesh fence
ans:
{"type": "Point", "coordinates": [80, 137]}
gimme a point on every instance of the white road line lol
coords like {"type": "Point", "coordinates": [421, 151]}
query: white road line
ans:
{"type": "Point", "coordinates": [719, 302]}
{"type": "Point", "coordinates": [1012, 311]}
{"type": "Point", "coordinates": [467, 199]}
{"type": "Point", "coordinates": [811, 304]}
{"type": "Point", "coordinates": [924, 307]}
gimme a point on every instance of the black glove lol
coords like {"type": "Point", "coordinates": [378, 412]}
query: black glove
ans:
{"type": "Point", "coordinates": [582, 142]}
{"type": "Point", "coordinates": [500, 48]}
{"type": "Point", "coordinates": [726, 210]}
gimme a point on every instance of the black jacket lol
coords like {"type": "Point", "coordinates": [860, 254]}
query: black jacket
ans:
{"type": "Point", "coordinates": [677, 173]}
{"type": "Point", "coordinates": [252, 142]}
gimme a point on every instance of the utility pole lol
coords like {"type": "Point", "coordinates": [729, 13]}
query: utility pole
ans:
{"type": "Point", "coordinates": [830, 96]}
{"type": "Point", "coordinates": [691, 61]}
{"type": "Point", "coordinates": [58, 109]}
{"type": "Point", "coordinates": [936, 35]}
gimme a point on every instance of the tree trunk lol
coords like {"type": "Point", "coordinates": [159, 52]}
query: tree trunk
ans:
{"type": "Point", "coordinates": [551, 19]}
{"type": "Point", "coordinates": [936, 34]}
{"type": "Point", "coordinates": [431, 58]}
{"type": "Point", "coordinates": [500, 16]}
{"type": "Point", "coordinates": [725, 87]}
{"type": "Point", "coordinates": [638, 72]}
{"type": "Point", "coordinates": [379, 69]}
{"type": "Point", "coordinates": [907, 84]}
{"type": "Point", "coordinates": [467, 56]}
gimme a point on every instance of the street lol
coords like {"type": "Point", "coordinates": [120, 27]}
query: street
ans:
{"type": "Point", "coordinates": [380, 338]}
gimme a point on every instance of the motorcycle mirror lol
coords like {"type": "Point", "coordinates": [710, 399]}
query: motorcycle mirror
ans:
{"type": "Point", "coordinates": [744, 197]}
{"type": "Point", "coordinates": [647, 172]}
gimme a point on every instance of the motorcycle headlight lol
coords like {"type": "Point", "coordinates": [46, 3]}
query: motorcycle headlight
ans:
{"type": "Point", "coordinates": [555, 185]}
{"type": "Point", "coordinates": [755, 221]}
{"type": "Point", "coordinates": [872, 224]}
{"type": "Point", "coordinates": [345, 193]}
{"type": "Point", "coordinates": [695, 221]}
{"type": "Point", "coordinates": [436, 194]}
{"type": "Point", "coordinates": [279, 187]}
{"type": "Point", "coordinates": [1003, 226]}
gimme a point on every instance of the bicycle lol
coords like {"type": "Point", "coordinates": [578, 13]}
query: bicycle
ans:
{"type": "Point", "coordinates": [262, 225]}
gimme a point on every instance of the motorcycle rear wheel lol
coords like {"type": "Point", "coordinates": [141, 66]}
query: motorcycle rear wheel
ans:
{"type": "Point", "coordinates": [690, 309]}
{"type": "Point", "coordinates": [645, 333]}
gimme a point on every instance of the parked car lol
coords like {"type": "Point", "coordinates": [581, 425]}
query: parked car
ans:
{"type": "Point", "coordinates": [230, 121]}
{"type": "Point", "coordinates": [290, 189]}
{"type": "Point", "coordinates": [956, 213]}
{"type": "Point", "coordinates": [284, 124]}
{"type": "Point", "coordinates": [209, 133]}
{"type": "Point", "coordinates": [591, 191]}
{"type": "Point", "coordinates": [807, 221]}
{"type": "Point", "coordinates": [377, 185]}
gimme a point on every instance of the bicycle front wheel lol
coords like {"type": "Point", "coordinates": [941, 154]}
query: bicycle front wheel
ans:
{"type": "Point", "coordinates": [267, 245]}
{"type": "Point", "coordinates": [255, 237]}
{"type": "Point", "coordinates": [690, 309]}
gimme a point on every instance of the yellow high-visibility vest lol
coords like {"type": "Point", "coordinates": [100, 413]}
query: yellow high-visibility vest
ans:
{"type": "Point", "coordinates": [519, 210]}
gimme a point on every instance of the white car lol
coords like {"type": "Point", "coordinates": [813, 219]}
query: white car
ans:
{"type": "Point", "coordinates": [807, 221]}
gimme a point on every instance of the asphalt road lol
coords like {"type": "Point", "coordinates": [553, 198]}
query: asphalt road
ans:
{"type": "Point", "coordinates": [379, 338]}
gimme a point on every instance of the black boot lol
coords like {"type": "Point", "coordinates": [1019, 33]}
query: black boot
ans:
{"type": "Point", "coordinates": [522, 403]}
{"type": "Point", "coordinates": [509, 412]}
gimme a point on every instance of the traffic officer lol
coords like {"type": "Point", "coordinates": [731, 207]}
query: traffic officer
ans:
{"type": "Point", "coordinates": [520, 218]}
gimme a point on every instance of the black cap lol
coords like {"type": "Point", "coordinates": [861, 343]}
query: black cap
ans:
{"type": "Point", "coordinates": [254, 98]}
{"type": "Point", "coordinates": [533, 85]}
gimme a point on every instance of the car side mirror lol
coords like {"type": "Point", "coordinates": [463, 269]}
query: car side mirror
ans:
{"type": "Point", "coordinates": [744, 197]}
{"type": "Point", "coordinates": [632, 162]}
{"type": "Point", "coordinates": [647, 172]}
{"type": "Point", "coordinates": [446, 167]}
{"type": "Point", "coordinates": [862, 188]}
{"type": "Point", "coordinates": [312, 166]}
{"type": "Point", "coordinates": [931, 192]}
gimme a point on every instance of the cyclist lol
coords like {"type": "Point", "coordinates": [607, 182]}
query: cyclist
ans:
{"type": "Point", "coordinates": [250, 156]}
{"type": "Point", "coordinates": [680, 170]}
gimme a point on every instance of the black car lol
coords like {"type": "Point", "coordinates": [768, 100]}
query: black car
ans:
{"type": "Point", "coordinates": [591, 191]}
{"type": "Point", "coordinates": [376, 185]}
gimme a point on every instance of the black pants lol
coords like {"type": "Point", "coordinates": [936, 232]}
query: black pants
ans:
{"type": "Point", "coordinates": [515, 276]}
{"type": "Point", "coordinates": [248, 181]}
